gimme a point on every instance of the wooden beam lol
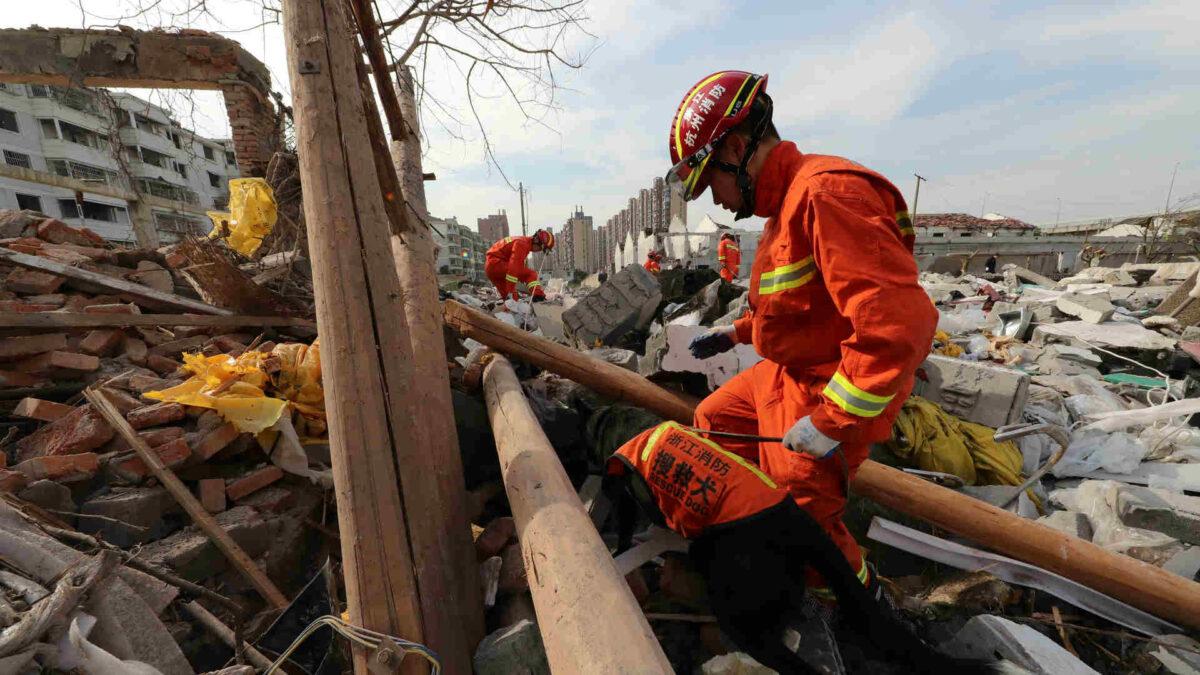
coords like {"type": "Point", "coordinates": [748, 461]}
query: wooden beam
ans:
{"type": "Point", "coordinates": [589, 620]}
{"type": "Point", "coordinates": [225, 543]}
{"type": "Point", "coordinates": [608, 379]}
{"type": "Point", "coordinates": [1132, 581]}
{"type": "Point", "coordinates": [144, 295]}
{"type": "Point", "coordinates": [60, 320]}
{"type": "Point", "coordinates": [364, 15]}
{"type": "Point", "coordinates": [367, 365]}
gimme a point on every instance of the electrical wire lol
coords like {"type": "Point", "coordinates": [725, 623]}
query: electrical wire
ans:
{"type": "Point", "coordinates": [362, 637]}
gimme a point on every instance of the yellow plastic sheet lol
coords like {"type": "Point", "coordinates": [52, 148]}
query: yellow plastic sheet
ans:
{"type": "Point", "coordinates": [926, 437]}
{"type": "Point", "coordinates": [251, 216]}
{"type": "Point", "coordinates": [942, 345]}
{"type": "Point", "coordinates": [252, 390]}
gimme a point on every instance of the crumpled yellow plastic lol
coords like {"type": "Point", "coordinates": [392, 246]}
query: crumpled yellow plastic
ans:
{"type": "Point", "coordinates": [247, 395]}
{"type": "Point", "coordinates": [943, 345]}
{"type": "Point", "coordinates": [252, 215]}
{"type": "Point", "coordinates": [927, 438]}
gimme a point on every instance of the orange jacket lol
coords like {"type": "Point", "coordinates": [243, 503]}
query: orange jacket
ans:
{"type": "Point", "coordinates": [729, 256]}
{"type": "Point", "coordinates": [694, 483]}
{"type": "Point", "coordinates": [833, 290]}
{"type": "Point", "coordinates": [651, 266]}
{"type": "Point", "coordinates": [512, 251]}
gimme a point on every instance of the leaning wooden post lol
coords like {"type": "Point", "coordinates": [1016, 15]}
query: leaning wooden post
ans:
{"type": "Point", "coordinates": [589, 619]}
{"type": "Point", "coordinates": [367, 364]}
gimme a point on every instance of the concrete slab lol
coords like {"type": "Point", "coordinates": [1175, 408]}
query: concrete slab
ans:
{"type": "Point", "coordinates": [973, 391]}
{"type": "Point", "coordinates": [668, 351]}
{"type": "Point", "coordinates": [986, 636]}
{"type": "Point", "coordinates": [626, 302]}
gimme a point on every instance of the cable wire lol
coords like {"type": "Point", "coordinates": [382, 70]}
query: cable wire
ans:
{"type": "Point", "coordinates": [362, 637]}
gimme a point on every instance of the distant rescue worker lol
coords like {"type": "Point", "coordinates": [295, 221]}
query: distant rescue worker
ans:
{"type": "Point", "coordinates": [729, 257]}
{"type": "Point", "coordinates": [505, 265]}
{"type": "Point", "coordinates": [651, 263]}
{"type": "Point", "coordinates": [834, 305]}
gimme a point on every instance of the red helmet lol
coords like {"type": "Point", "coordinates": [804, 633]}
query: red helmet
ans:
{"type": "Point", "coordinates": [727, 235]}
{"type": "Point", "coordinates": [710, 110]}
{"type": "Point", "coordinates": [545, 238]}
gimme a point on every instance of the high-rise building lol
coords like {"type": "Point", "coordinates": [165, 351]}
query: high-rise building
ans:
{"type": "Point", "coordinates": [574, 243]}
{"type": "Point", "coordinates": [493, 228]}
{"type": "Point", "coordinates": [460, 250]}
{"type": "Point", "coordinates": [110, 161]}
{"type": "Point", "coordinates": [649, 213]}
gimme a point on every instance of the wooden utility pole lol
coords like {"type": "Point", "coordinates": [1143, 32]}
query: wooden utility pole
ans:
{"type": "Point", "coordinates": [916, 196]}
{"type": "Point", "coordinates": [367, 368]}
{"type": "Point", "coordinates": [430, 466]}
{"type": "Point", "coordinates": [521, 194]}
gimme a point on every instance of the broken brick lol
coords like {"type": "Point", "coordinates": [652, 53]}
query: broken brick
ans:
{"type": "Point", "coordinates": [81, 430]}
{"type": "Point", "coordinates": [58, 232]}
{"type": "Point", "coordinates": [101, 342]}
{"type": "Point", "coordinates": [60, 468]}
{"type": "Point", "coordinates": [24, 307]}
{"type": "Point", "coordinates": [175, 347]}
{"type": "Point", "coordinates": [135, 350]}
{"type": "Point", "coordinates": [58, 363]}
{"type": "Point", "coordinates": [32, 282]}
{"type": "Point", "coordinates": [11, 481]}
{"type": "Point", "coordinates": [177, 260]}
{"type": "Point", "coordinates": [216, 441]}
{"type": "Point", "coordinates": [115, 308]}
{"type": "Point", "coordinates": [273, 499]}
{"type": "Point", "coordinates": [253, 482]}
{"type": "Point", "coordinates": [152, 437]}
{"type": "Point", "coordinates": [94, 238]}
{"type": "Point", "coordinates": [9, 378]}
{"type": "Point", "coordinates": [143, 383]}
{"type": "Point", "coordinates": [212, 494]}
{"type": "Point", "coordinates": [171, 454]}
{"type": "Point", "coordinates": [156, 415]}
{"type": "Point", "coordinates": [498, 534]}
{"type": "Point", "coordinates": [25, 248]}
{"type": "Point", "coordinates": [190, 331]}
{"type": "Point", "coordinates": [64, 256]}
{"type": "Point", "coordinates": [123, 401]}
{"type": "Point", "coordinates": [29, 345]}
{"type": "Point", "coordinates": [37, 409]}
{"type": "Point", "coordinates": [162, 365]}
{"type": "Point", "coordinates": [57, 299]}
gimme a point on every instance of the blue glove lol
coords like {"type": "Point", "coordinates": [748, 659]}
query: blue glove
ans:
{"type": "Point", "coordinates": [716, 341]}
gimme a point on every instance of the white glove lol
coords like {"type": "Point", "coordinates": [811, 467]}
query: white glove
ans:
{"type": "Point", "coordinates": [804, 437]}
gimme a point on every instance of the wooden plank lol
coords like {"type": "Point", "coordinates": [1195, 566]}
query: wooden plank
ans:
{"type": "Point", "coordinates": [571, 576]}
{"type": "Point", "coordinates": [59, 320]}
{"type": "Point", "coordinates": [146, 295]}
{"type": "Point", "coordinates": [367, 364]}
{"type": "Point", "coordinates": [101, 403]}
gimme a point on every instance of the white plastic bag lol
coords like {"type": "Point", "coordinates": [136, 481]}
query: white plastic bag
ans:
{"type": "Point", "coordinates": [1098, 451]}
{"type": "Point", "coordinates": [1097, 499]}
{"type": "Point", "coordinates": [966, 321]}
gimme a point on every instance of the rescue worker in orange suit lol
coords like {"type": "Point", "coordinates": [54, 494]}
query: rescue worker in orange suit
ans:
{"type": "Point", "coordinates": [505, 264]}
{"type": "Point", "coordinates": [834, 305]}
{"type": "Point", "coordinates": [651, 263]}
{"type": "Point", "coordinates": [729, 257]}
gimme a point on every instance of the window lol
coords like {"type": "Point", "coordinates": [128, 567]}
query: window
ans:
{"type": "Point", "coordinates": [964, 234]}
{"type": "Point", "coordinates": [29, 202]}
{"type": "Point", "coordinates": [91, 210]}
{"type": "Point", "coordinates": [39, 91]}
{"type": "Point", "coordinates": [939, 234]}
{"type": "Point", "coordinates": [48, 129]}
{"type": "Point", "coordinates": [8, 121]}
{"type": "Point", "coordinates": [17, 159]}
{"type": "Point", "coordinates": [214, 180]}
{"type": "Point", "coordinates": [176, 141]}
{"type": "Point", "coordinates": [181, 169]}
{"type": "Point", "coordinates": [69, 208]}
{"type": "Point", "coordinates": [230, 159]}
{"type": "Point", "coordinates": [208, 153]}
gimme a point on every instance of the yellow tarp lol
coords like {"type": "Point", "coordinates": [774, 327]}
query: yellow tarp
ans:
{"type": "Point", "coordinates": [262, 387]}
{"type": "Point", "coordinates": [926, 437]}
{"type": "Point", "coordinates": [251, 215]}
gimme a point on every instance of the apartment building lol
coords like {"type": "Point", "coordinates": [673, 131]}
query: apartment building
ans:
{"type": "Point", "coordinates": [461, 251]}
{"type": "Point", "coordinates": [111, 162]}
{"type": "Point", "coordinates": [493, 228]}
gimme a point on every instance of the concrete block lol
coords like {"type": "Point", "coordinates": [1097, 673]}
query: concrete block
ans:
{"type": "Point", "coordinates": [1069, 522]}
{"type": "Point", "coordinates": [1171, 513]}
{"type": "Point", "coordinates": [627, 301]}
{"type": "Point", "coordinates": [1112, 334]}
{"type": "Point", "coordinates": [32, 282]}
{"type": "Point", "coordinates": [1090, 308]}
{"type": "Point", "coordinates": [101, 342]}
{"type": "Point", "coordinates": [667, 351]}
{"type": "Point", "coordinates": [133, 516]}
{"type": "Point", "coordinates": [549, 319]}
{"type": "Point", "coordinates": [973, 391]}
{"type": "Point", "coordinates": [51, 496]}
{"type": "Point", "coordinates": [253, 482]}
{"type": "Point", "coordinates": [988, 636]}
{"type": "Point", "coordinates": [515, 649]}
{"type": "Point", "coordinates": [37, 409]}
{"type": "Point", "coordinates": [625, 358]}
{"type": "Point", "coordinates": [193, 556]}
{"type": "Point", "coordinates": [156, 415]}
{"type": "Point", "coordinates": [29, 345]}
{"type": "Point", "coordinates": [82, 430]}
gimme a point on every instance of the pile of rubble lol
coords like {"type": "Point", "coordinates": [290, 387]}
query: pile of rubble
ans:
{"type": "Point", "coordinates": [74, 481]}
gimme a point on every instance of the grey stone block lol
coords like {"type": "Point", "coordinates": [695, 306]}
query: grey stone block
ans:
{"type": "Point", "coordinates": [1175, 515]}
{"type": "Point", "coordinates": [1090, 308]}
{"type": "Point", "coordinates": [515, 649]}
{"type": "Point", "coordinates": [193, 556]}
{"type": "Point", "coordinates": [625, 358]}
{"type": "Point", "coordinates": [626, 302]}
{"type": "Point", "coordinates": [137, 515]}
{"type": "Point", "coordinates": [51, 496]}
{"type": "Point", "coordinates": [973, 391]}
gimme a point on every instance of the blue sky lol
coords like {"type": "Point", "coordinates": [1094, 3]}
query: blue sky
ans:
{"type": "Point", "coordinates": [1012, 107]}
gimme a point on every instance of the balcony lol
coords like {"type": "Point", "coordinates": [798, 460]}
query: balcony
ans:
{"type": "Point", "coordinates": [165, 190]}
{"type": "Point", "coordinates": [149, 140]}
{"type": "Point", "coordinates": [85, 172]}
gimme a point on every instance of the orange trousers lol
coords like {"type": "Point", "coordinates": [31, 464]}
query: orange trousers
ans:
{"type": "Point", "coordinates": [727, 274]}
{"type": "Point", "coordinates": [767, 400]}
{"type": "Point", "coordinates": [497, 273]}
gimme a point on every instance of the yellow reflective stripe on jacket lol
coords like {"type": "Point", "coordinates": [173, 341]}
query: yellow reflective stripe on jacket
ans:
{"type": "Point", "coordinates": [509, 277]}
{"type": "Point", "coordinates": [508, 240]}
{"type": "Point", "coordinates": [533, 284]}
{"type": "Point", "coordinates": [824, 593]}
{"type": "Point", "coordinates": [720, 257]}
{"type": "Point", "coordinates": [788, 276]}
{"type": "Point", "coordinates": [731, 247]}
{"type": "Point", "coordinates": [716, 448]}
{"type": "Point", "coordinates": [854, 400]}
{"type": "Point", "coordinates": [905, 223]}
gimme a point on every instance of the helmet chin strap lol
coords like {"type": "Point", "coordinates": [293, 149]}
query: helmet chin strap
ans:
{"type": "Point", "coordinates": [744, 182]}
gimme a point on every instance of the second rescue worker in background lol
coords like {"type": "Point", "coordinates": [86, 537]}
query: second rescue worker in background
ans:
{"type": "Point", "coordinates": [835, 308]}
{"type": "Point", "coordinates": [652, 260]}
{"type": "Point", "coordinates": [505, 264]}
{"type": "Point", "coordinates": [729, 257]}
